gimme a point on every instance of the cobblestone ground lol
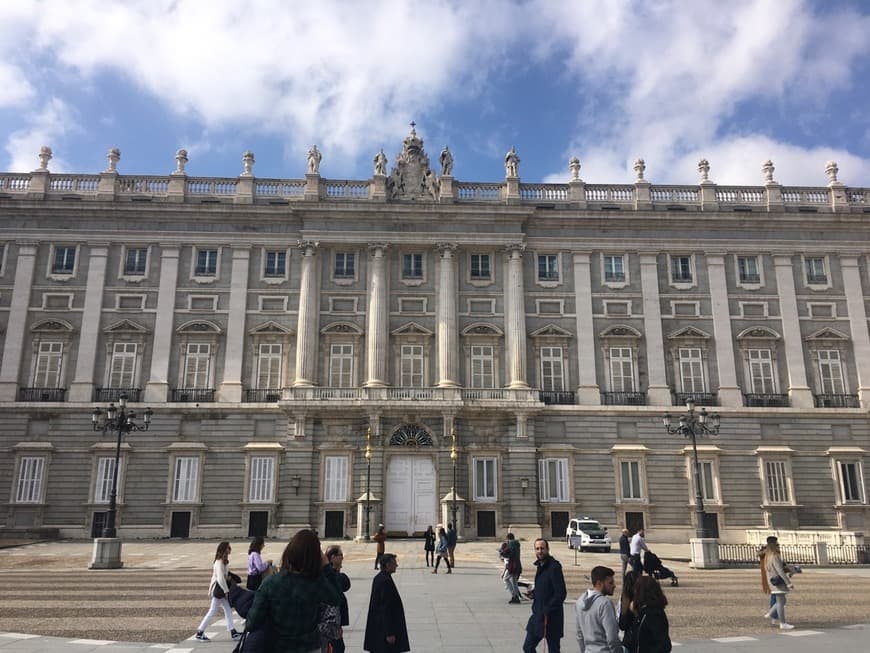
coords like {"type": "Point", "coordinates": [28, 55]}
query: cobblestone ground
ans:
{"type": "Point", "coordinates": [160, 595]}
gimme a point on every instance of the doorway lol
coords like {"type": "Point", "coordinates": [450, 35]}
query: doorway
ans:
{"type": "Point", "coordinates": [486, 523]}
{"type": "Point", "coordinates": [559, 524]}
{"type": "Point", "coordinates": [99, 523]}
{"type": "Point", "coordinates": [258, 523]}
{"type": "Point", "coordinates": [411, 502]}
{"type": "Point", "coordinates": [334, 526]}
{"type": "Point", "coordinates": [180, 524]}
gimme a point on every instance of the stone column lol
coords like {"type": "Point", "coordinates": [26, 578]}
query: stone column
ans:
{"type": "Point", "coordinates": [798, 390]}
{"type": "Point", "coordinates": [308, 318]}
{"type": "Point", "coordinates": [857, 324]}
{"type": "Point", "coordinates": [588, 392]}
{"type": "Point", "coordinates": [231, 388]}
{"type": "Point", "coordinates": [448, 351]}
{"type": "Point", "coordinates": [82, 386]}
{"type": "Point", "coordinates": [729, 391]}
{"type": "Point", "coordinates": [515, 318]}
{"type": "Point", "coordinates": [377, 337]}
{"type": "Point", "coordinates": [158, 383]}
{"type": "Point", "coordinates": [13, 344]}
{"type": "Point", "coordinates": [658, 392]}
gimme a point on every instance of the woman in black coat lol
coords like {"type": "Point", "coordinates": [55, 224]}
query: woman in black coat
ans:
{"type": "Point", "coordinates": [650, 629]}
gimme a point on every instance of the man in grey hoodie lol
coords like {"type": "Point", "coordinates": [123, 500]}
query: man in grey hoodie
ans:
{"type": "Point", "coordinates": [597, 628]}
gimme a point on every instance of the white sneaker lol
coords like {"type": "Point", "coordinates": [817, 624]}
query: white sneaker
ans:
{"type": "Point", "coordinates": [785, 626]}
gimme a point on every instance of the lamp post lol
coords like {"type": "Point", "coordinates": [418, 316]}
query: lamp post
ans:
{"type": "Point", "coordinates": [108, 555]}
{"type": "Point", "coordinates": [368, 480]}
{"type": "Point", "coordinates": [691, 426]}
{"type": "Point", "coordinates": [453, 457]}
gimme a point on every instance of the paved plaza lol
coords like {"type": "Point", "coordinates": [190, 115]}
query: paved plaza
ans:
{"type": "Point", "coordinates": [53, 603]}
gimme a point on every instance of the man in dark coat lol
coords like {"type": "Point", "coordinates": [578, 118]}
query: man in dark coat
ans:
{"type": "Point", "coordinates": [386, 630]}
{"type": "Point", "coordinates": [548, 595]}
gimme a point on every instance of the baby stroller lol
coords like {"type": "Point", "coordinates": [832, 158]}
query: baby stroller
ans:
{"type": "Point", "coordinates": [653, 566]}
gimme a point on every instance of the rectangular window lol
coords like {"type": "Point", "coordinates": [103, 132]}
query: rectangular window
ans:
{"type": "Point", "coordinates": [196, 365]}
{"type": "Point", "coordinates": [484, 479]}
{"type": "Point", "coordinates": [412, 266]}
{"type": "Point", "coordinates": [276, 264]}
{"type": "Point", "coordinates": [122, 372]}
{"type": "Point", "coordinates": [206, 262]}
{"type": "Point", "coordinates": [482, 367]}
{"type": "Point", "coordinates": [831, 372]}
{"type": "Point", "coordinates": [681, 269]}
{"type": "Point", "coordinates": [341, 366]}
{"type": "Point", "coordinates": [49, 360]}
{"type": "Point", "coordinates": [548, 267]}
{"type": "Point", "coordinates": [344, 265]}
{"type": "Point", "coordinates": [269, 366]}
{"type": "Point", "coordinates": [747, 267]}
{"type": "Point", "coordinates": [776, 477]}
{"type": "Point", "coordinates": [103, 481]}
{"type": "Point", "coordinates": [135, 261]}
{"type": "Point", "coordinates": [480, 267]}
{"type": "Point", "coordinates": [29, 486]}
{"type": "Point", "coordinates": [851, 483]}
{"type": "Point", "coordinates": [691, 370]}
{"type": "Point", "coordinates": [708, 491]}
{"type": "Point", "coordinates": [614, 269]}
{"type": "Point", "coordinates": [552, 377]}
{"type": "Point", "coordinates": [412, 366]}
{"type": "Point", "coordinates": [553, 479]}
{"type": "Point", "coordinates": [761, 371]}
{"type": "Point", "coordinates": [621, 369]}
{"type": "Point", "coordinates": [64, 260]}
{"type": "Point", "coordinates": [262, 483]}
{"type": "Point", "coordinates": [630, 470]}
{"type": "Point", "coordinates": [335, 479]}
{"type": "Point", "coordinates": [185, 478]}
{"type": "Point", "coordinates": [816, 270]}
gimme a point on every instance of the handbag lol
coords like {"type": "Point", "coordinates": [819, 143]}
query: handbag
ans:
{"type": "Point", "coordinates": [776, 581]}
{"type": "Point", "coordinates": [329, 622]}
{"type": "Point", "coordinates": [218, 591]}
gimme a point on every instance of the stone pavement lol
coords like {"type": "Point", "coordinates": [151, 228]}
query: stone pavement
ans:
{"type": "Point", "coordinates": [161, 595]}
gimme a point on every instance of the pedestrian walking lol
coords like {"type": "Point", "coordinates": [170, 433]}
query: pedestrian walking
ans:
{"type": "Point", "coordinates": [777, 581]}
{"type": "Point", "coordinates": [452, 537]}
{"type": "Point", "coordinates": [335, 556]}
{"type": "Point", "coordinates": [218, 589]}
{"type": "Point", "coordinates": [597, 627]}
{"type": "Point", "coordinates": [386, 629]}
{"type": "Point", "coordinates": [381, 538]}
{"type": "Point", "coordinates": [442, 551]}
{"type": "Point", "coordinates": [650, 633]}
{"type": "Point", "coordinates": [429, 545]}
{"type": "Point", "coordinates": [510, 555]}
{"type": "Point", "coordinates": [624, 551]}
{"type": "Point", "coordinates": [638, 544]}
{"type": "Point", "coordinates": [288, 603]}
{"type": "Point", "coordinates": [548, 595]}
{"type": "Point", "coordinates": [257, 567]}
{"type": "Point", "coordinates": [625, 616]}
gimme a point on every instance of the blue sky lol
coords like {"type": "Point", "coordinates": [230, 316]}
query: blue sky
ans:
{"type": "Point", "coordinates": [734, 82]}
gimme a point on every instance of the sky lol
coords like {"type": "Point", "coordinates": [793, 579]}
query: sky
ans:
{"type": "Point", "coordinates": [734, 82]}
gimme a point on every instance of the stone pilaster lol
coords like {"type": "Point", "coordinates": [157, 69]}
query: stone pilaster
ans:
{"type": "Point", "coordinates": [448, 348]}
{"type": "Point", "coordinates": [515, 318]}
{"type": "Point", "coordinates": [798, 390]}
{"type": "Point", "coordinates": [82, 386]}
{"type": "Point", "coordinates": [378, 189]}
{"type": "Point", "coordinates": [230, 389]}
{"type": "Point", "coordinates": [377, 336]}
{"type": "Point", "coordinates": [588, 391]}
{"type": "Point", "coordinates": [729, 391]}
{"type": "Point", "coordinates": [13, 343]}
{"type": "Point", "coordinates": [312, 187]}
{"type": "Point", "coordinates": [658, 392]}
{"type": "Point", "coordinates": [158, 384]}
{"type": "Point", "coordinates": [446, 193]}
{"type": "Point", "coordinates": [857, 324]}
{"type": "Point", "coordinates": [511, 190]}
{"type": "Point", "coordinates": [308, 316]}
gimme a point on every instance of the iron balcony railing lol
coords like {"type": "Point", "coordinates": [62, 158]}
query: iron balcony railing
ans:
{"type": "Point", "coordinates": [41, 394]}
{"type": "Point", "coordinates": [112, 394]}
{"type": "Point", "coordinates": [262, 395]}
{"type": "Point", "coordinates": [623, 398]}
{"type": "Point", "coordinates": [817, 278]}
{"type": "Point", "coordinates": [766, 400]}
{"type": "Point", "coordinates": [837, 401]}
{"type": "Point", "coordinates": [700, 398]}
{"type": "Point", "coordinates": [556, 397]}
{"type": "Point", "coordinates": [191, 395]}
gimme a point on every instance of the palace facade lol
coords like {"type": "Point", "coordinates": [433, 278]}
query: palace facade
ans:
{"type": "Point", "coordinates": [413, 344]}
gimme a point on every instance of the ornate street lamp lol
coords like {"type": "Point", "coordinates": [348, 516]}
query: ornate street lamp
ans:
{"type": "Point", "coordinates": [453, 457]}
{"type": "Point", "coordinates": [368, 480]}
{"type": "Point", "coordinates": [691, 426]}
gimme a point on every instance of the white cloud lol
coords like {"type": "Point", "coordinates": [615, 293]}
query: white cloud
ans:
{"type": "Point", "coordinates": [44, 128]}
{"type": "Point", "coordinates": [15, 90]}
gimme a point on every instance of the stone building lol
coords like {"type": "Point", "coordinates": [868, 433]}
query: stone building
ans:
{"type": "Point", "coordinates": [519, 342]}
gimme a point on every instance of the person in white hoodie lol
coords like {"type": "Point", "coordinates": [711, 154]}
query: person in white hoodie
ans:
{"type": "Point", "coordinates": [597, 628]}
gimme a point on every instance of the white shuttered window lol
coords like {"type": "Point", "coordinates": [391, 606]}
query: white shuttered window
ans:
{"type": "Point", "coordinates": [48, 365]}
{"type": "Point", "coordinates": [184, 479]}
{"type": "Point", "coordinates": [123, 371]}
{"type": "Point", "coordinates": [335, 479]}
{"type": "Point", "coordinates": [103, 481]}
{"type": "Point", "coordinates": [553, 479]}
{"type": "Point", "coordinates": [261, 489]}
{"type": "Point", "coordinates": [196, 365]}
{"type": "Point", "coordinates": [29, 487]}
{"type": "Point", "coordinates": [777, 481]}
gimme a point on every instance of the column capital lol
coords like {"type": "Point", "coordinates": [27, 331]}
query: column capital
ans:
{"type": "Point", "coordinates": [782, 260]}
{"type": "Point", "coordinates": [516, 248]}
{"type": "Point", "coordinates": [715, 257]}
{"type": "Point", "coordinates": [169, 250]}
{"type": "Point", "coordinates": [308, 247]}
{"type": "Point", "coordinates": [648, 258]}
{"type": "Point", "coordinates": [446, 249]}
{"type": "Point", "coordinates": [374, 247]}
{"type": "Point", "coordinates": [849, 260]}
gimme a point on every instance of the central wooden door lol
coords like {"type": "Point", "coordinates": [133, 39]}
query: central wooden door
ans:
{"type": "Point", "coordinates": [411, 502]}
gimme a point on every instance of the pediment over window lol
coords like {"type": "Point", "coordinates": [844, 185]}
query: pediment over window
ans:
{"type": "Point", "coordinates": [53, 325]}
{"type": "Point", "coordinates": [482, 329]}
{"type": "Point", "coordinates": [198, 326]}
{"type": "Point", "coordinates": [827, 334]}
{"type": "Point", "coordinates": [621, 331]}
{"type": "Point", "coordinates": [271, 328]}
{"type": "Point", "coordinates": [412, 329]}
{"type": "Point", "coordinates": [125, 326]}
{"type": "Point", "coordinates": [689, 333]}
{"type": "Point", "coordinates": [342, 329]}
{"type": "Point", "coordinates": [550, 331]}
{"type": "Point", "coordinates": [758, 333]}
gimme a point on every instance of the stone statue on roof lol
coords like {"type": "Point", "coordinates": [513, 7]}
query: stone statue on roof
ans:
{"type": "Point", "coordinates": [512, 163]}
{"type": "Point", "coordinates": [446, 162]}
{"type": "Point", "coordinates": [314, 158]}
